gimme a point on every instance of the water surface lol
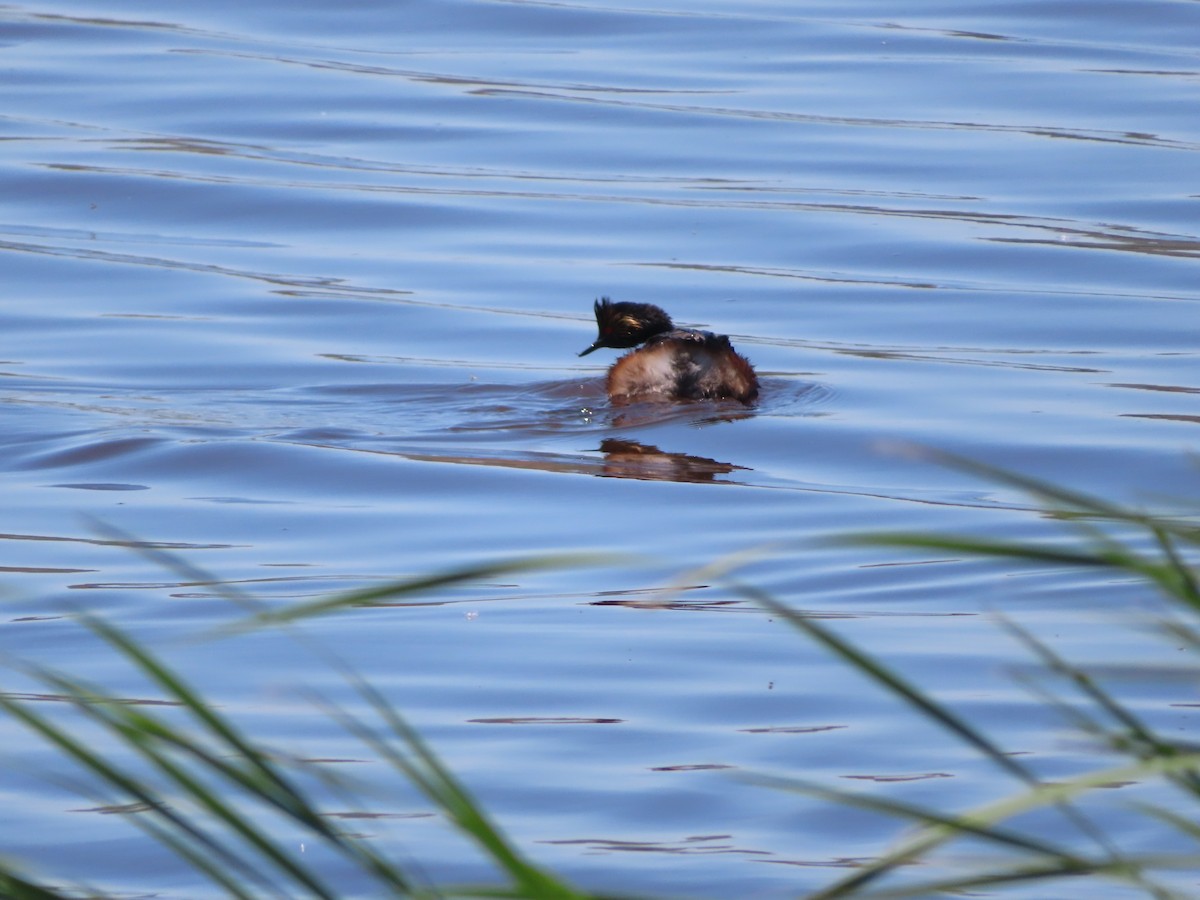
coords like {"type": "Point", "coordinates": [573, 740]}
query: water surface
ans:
{"type": "Point", "coordinates": [295, 292]}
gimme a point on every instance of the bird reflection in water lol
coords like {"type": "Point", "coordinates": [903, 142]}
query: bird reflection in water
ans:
{"type": "Point", "coordinates": [630, 459]}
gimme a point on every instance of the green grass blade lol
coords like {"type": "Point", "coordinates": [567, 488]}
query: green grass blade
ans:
{"type": "Point", "coordinates": [271, 781]}
{"type": "Point", "coordinates": [1087, 686]}
{"type": "Point", "coordinates": [1181, 823]}
{"type": "Point", "coordinates": [919, 700]}
{"type": "Point", "coordinates": [15, 887]}
{"type": "Point", "coordinates": [421, 586]}
{"type": "Point", "coordinates": [1138, 739]}
{"type": "Point", "coordinates": [125, 784]}
{"type": "Point", "coordinates": [144, 734]}
{"type": "Point", "coordinates": [1041, 796]}
{"type": "Point", "coordinates": [162, 556]}
{"type": "Point", "coordinates": [1182, 578]}
{"type": "Point", "coordinates": [259, 777]}
{"type": "Point", "coordinates": [1056, 499]}
{"type": "Point", "coordinates": [919, 815]}
{"type": "Point", "coordinates": [893, 682]}
{"type": "Point", "coordinates": [205, 863]}
{"type": "Point", "coordinates": [1128, 869]}
{"type": "Point", "coordinates": [430, 775]}
{"type": "Point", "coordinates": [1170, 573]}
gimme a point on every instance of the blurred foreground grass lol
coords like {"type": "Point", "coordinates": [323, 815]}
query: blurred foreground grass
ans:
{"type": "Point", "coordinates": [210, 793]}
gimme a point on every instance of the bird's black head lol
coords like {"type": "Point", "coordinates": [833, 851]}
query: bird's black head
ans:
{"type": "Point", "coordinates": [624, 325]}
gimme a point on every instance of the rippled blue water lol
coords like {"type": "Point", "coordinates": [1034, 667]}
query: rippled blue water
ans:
{"type": "Point", "coordinates": [296, 290]}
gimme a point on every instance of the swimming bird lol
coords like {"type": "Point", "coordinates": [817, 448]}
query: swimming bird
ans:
{"type": "Point", "coordinates": [672, 363]}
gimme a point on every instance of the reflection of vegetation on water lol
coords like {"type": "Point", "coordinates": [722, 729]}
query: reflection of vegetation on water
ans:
{"type": "Point", "coordinates": [203, 788]}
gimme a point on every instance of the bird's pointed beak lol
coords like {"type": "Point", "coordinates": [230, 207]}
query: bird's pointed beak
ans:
{"type": "Point", "coordinates": [595, 346]}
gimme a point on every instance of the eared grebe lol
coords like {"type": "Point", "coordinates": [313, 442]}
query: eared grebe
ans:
{"type": "Point", "coordinates": [674, 363]}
